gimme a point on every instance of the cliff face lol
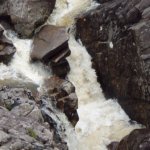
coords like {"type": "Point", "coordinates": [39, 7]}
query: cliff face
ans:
{"type": "Point", "coordinates": [116, 34]}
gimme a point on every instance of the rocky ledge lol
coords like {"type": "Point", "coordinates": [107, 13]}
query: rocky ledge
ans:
{"type": "Point", "coordinates": [116, 35]}
{"type": "Point", "coordinates": [23, 124]}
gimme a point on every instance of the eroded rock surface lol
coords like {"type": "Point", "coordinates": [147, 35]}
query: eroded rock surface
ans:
{"type": "Point", "coordinates": [116, 35]}
{"type": "Point", "coordinates": [26, 15]}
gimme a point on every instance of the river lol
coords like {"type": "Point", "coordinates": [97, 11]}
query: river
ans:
{"type": "Point", "coordinates": [101, 121]}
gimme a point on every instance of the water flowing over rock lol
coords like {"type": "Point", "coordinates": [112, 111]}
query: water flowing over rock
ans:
{"type": "Point", "coordinates": [7, 49]}
{"type": "Point", "coordinates": [136, 140]}
{"type": "Point", "coordinates": [117, 34]}
{"type": "Point", "coordinates": [26, 15]}
{"type": "Point", "coordinates": [63, 96]}
{"type": "Point", "coordinates": [22, 125]}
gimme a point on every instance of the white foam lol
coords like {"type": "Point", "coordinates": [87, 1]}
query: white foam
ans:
{"type": "Point", "coordinates": [101, 121]}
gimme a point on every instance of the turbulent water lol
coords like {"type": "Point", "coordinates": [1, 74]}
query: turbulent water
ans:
{"type": "Point", "coordinates": [20, 67]}
{"type": "Point", "coordinates": [101, 121]}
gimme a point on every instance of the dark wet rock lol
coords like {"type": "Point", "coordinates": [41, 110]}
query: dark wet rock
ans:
{"type": "Point", "coordinates": [50, 44]}
{"type": "Point", "coordinates": [136, 140]}
{"type": "Point", "coordinates": [103, 1]}
{"type": "Point", "coordinates": [22, 125]}
{"type": "Point", "coordinates": [116, 35]}
{"type": "Point", "coordinates": [60, 69]}
{"type": "Point", "coordinates": [113, 146]}
{"type": "Point", "coordinates": [7, 50]}
{"type": "Point", "coordinates": [26, 15]}
{"type": "Point", "coordinates": [63, 96]}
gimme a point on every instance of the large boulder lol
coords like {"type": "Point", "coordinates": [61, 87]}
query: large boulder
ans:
{"type": "Point", "coordinates": [7, 50]}
{"type": "Point", "coordinates": [116, 35]}
{"type": "Point", "coordinates": [26, 15]}
{"type": "Point", "coordinates": [50, 46]}
{"type": "Point", "coordinates": [62, 94]}
{"type": "Point", "coordinates": [136, 140]}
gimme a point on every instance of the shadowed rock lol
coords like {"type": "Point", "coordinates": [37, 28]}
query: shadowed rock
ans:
{"type": "Point", "coordinates": [7, 49]}
{"type": "Point", "coordinates": [136, 140]}
{"type": "Point", "coordinates": [60, 69]}
{"type": "Point", "coordinates": [23, 124]}
{"type": "Point", "coordinates": [50, 46]}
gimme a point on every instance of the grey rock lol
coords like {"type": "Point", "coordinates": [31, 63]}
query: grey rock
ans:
{"type": "Point", "coordinates": [136, 140]}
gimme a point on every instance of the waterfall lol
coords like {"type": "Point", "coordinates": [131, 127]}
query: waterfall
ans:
{"type": "Point", "coordinates": [100, 121]}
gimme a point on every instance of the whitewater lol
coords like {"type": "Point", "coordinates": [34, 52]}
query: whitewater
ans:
{"type": "Point", "coordinates": [101, 121]}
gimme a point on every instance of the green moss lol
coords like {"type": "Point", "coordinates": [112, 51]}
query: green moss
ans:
{"type": "Point", "coordinates": [9, 107]}
{"type": "Point", "coordinates": [32, 133]}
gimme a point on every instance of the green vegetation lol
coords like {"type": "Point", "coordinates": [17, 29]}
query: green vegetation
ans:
{"type": "Point", "coordinates": [32, 133]}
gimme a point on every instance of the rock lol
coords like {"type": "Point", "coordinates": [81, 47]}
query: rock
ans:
{"type": "Point", "coordinates": [113, 146]}
{"type": "Point", "coordinates": [22, 124]}
{"type": "Point", "coordinates": [116, 35]}
{"type": "Point", "coordinates": [13, 97]}
{"type": "Point", "coordinates": [103, 1]}
{"type": "Point", "coordinates": [50, 44]}
{"type": "Point", "coordinates": [62, 94]}
{"type": "Point", "coordinates": [26, 15]}
{"type": "Point", "coordinates": [136, 140]}
{"type": "Point", "coordinates": [60, 69]}
{"type": "Point", "coordinates": [16, 83]}
{"type": "Point", "coordinates": [7, 50]}
{"type": "Point", "coordinates": [4, 137]}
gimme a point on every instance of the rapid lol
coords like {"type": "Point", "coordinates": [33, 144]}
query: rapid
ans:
{"type": "Point", "coordinates": [101, 121]}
